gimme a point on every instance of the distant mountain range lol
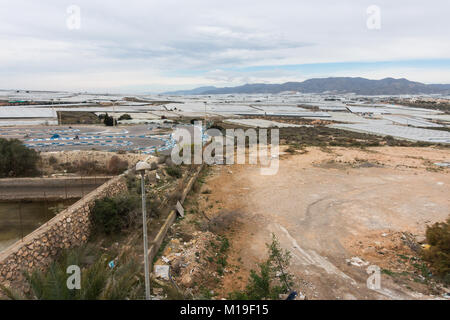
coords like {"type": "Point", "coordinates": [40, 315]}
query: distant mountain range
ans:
{"type": "Point", "coordinates": [361, 86]}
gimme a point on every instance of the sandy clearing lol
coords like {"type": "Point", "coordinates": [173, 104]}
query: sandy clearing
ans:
{"type": "Point", "coordinates": [321, 202]}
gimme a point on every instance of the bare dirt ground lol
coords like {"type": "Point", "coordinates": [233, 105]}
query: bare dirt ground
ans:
{"type": "Point", "coordinates": [55, 162]}
{"type": "Point", "coordinates": [327, 206]}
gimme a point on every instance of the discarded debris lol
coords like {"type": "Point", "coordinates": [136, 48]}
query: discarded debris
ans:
{"type": "Point", "coordinates": [180, 209]}
{"type": "Point", "coordinates": [162, 271]}
{"type": "Point", "coordinates": [443, 164]}
{"type": "Point", "coordinates": [357, 261]}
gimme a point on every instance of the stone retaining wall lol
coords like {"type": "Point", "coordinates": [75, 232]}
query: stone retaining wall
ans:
{"type": "Point", "coordinates": [70, 228]}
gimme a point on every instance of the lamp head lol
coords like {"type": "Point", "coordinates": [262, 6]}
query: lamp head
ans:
{"type": "Point", "coordinates": [141, 166]}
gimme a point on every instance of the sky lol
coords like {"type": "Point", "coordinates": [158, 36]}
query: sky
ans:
{"type": "Point", "coordinates": [154, 46]}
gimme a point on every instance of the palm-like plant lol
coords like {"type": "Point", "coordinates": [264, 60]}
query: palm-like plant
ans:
{"type": "Point", "coordinates": [98, 280]}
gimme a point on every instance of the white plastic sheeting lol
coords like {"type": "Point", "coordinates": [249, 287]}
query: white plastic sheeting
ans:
{"type": "Point", "coordinates": [409, 121]}
{"type": "Point", "coordinates": [403, 132]}
{"type": "Point", "coordinates": [19, 112]}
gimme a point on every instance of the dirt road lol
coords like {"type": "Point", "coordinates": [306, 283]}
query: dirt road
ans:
{"type": "Point", "coordinates": [327, 206]}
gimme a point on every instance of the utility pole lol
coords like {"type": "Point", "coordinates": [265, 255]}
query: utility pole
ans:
{"type": "Point", "coordinates": [114, 113]}
{"type": "Point", "coordinates": [205, 116]}
{"type": "Point", "coordinates": [141, 166]}
{"type": "Point", "coordinates": [53, 110]}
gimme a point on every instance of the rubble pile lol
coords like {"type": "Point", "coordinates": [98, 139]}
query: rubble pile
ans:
{"type": "Point", "coordinates": [394, 251]}
{"type": "Point", "coordinates": [190, 262]}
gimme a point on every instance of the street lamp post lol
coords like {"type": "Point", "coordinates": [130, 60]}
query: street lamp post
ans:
{"type": "Point", "coordinates": [205, 115]}
{"type": "Point", "coordinates": [141, 166]}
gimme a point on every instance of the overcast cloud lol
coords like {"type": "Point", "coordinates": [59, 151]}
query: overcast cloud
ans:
{"type": "Point", "coordinates": [154, 46]}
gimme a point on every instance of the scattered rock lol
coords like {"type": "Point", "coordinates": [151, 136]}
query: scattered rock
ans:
{"type": "Point", "coordinates": [357, 261]}
{"type": "Point", "coordinates": [162, 271]}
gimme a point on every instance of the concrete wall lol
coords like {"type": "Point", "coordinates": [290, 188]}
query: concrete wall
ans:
{"type": "Point", "coordinates": [68, 229]}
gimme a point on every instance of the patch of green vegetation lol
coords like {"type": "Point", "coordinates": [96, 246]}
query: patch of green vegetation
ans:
{"type": "Point", "coordinates": [224, 244]}
{"type": "Point", "coordinates": [16, 160]}
{"type": "Point", "coordinates": [388, 272]}
{"type": "Point", "coordinates": [108, 121]}
{"type": "Point", "coordinates": [113, 215]}
{"type": "Point", "coordinates": [272, 278]}
{"type": "Point", "coordinates": [125, 116]}
{"type": "Point", "coordinates": [174, 171]}
{"type": "Point", "coordinates": [97, 281]}
{"type": "Point", "coordinates": [161, 249]}
{"type": "Point", "coordinates": [402, 256]}
{"type": "Point", "coordinates": [322, 136]}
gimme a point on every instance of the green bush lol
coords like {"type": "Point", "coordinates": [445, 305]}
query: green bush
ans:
{"type": "Point", "coordinates": [125, 116]}
{"type": "Point", "coordinates": [112, 215]}
{"type": "Point", "coordinates": [174, 171]}
{"type": "Point", "coordinates": [438, 255]}
{"type": "Point", "coordinates": [52, 160]}
{"type": "Point", "coordinates": [109, 120]}
{"type": "Point", "coordinates": [16, 160]}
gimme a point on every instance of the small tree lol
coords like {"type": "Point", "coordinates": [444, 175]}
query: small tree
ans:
{"type": "Point", "coordinates": [112, 215]}
{"type": "Point", "coordinates": [16, 160]}
{"type": "Point", "coordinates": [273, 278]}
{"type": "Point", "coordinates": [109, 121]}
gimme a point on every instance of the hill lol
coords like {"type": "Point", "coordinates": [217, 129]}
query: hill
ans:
{"type": "Point", "coordinates": [361, 86]}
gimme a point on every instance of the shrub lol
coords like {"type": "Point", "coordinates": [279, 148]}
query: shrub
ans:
{"type": "Point", "coordinates": [207, 191]}
{"type": "Point", "coordinates": [87, 167]}
{"type": "Point", "coordinates": [52, 160]}
{"type": "Point", "coordinates": [438, 237]}
{"type": "Point", "coordinates": [174, 172]}
{"type": "Point", "coordinates": [16, 160]}
{"type": "Point", "coordinates": [112, 215]}
{"type": "Point", "coordinates": [109, 121]}
{"type": "Point", "coordinates": [125, 116]}
{"type": "Point", "coordinates": [116, 165]}
{"type": "Point", "coordinates": [131, 181]}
